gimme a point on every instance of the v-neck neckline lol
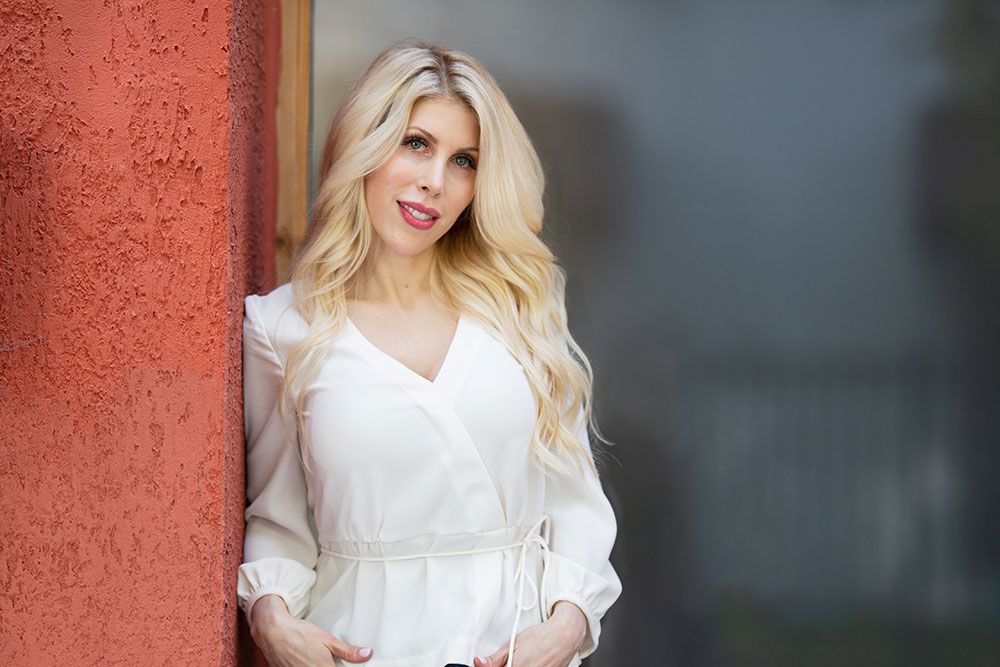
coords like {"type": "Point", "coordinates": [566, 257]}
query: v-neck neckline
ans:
{"type": "Point", "coordinates": [403, 368]}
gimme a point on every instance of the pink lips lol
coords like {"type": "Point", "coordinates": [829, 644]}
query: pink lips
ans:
{"type": "Point", "coordinates": [415, 222]}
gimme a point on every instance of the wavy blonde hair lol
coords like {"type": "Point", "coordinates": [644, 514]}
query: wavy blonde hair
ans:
{"type": "Point", "coordinates": [491, 264]}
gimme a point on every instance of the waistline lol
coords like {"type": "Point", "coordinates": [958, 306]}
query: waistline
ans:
{"type": "Point", "coordinates": [536, 536]}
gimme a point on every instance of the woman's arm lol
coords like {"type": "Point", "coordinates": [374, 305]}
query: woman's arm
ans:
{"type": "Point", "coordinates": [582, 533]}
{"type": "Point", "coordinates": [279, 549]}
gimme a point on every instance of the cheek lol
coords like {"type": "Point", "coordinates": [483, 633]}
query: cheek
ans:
{"type": "Point", "coordinates": [370, 189]}
{"type": "Point", "coordinates": [374, 187]}
{"type": "Point", "coordinates": [388, 177]}
{"type": "Point", "coordinates": [463, 191]}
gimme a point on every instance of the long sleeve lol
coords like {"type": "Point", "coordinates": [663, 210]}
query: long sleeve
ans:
{"type": "Point", "coordinates": [280, 549]}
{"type": "Point", "coordinates": [582, 533]}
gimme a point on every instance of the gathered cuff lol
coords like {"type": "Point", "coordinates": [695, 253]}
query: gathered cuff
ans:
{"type": "Point", "coordinates": [591, 592]}
{"type": "Point", "coordinates": [284, 577]}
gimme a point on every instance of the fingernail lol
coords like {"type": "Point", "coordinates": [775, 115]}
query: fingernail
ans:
{"type": "Point", "coordinates": [365, 652]}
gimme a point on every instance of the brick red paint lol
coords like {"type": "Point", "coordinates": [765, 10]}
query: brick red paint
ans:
{"type": "Point", "coordinates": [131, 205]}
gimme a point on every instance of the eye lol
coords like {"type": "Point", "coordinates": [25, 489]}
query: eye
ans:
{"type": "Point", "coordinates": [414, 142]}
{"type": "Point", "coordinates": [465, 161]}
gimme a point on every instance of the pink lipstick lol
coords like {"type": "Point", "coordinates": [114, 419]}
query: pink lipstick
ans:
{"type": "Point", "coordinates": [417, 215]}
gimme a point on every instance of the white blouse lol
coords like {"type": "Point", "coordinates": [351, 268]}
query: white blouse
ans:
{"type": "Point", "coordinates": [423, 529]}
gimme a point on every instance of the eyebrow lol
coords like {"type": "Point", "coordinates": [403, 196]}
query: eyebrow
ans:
{"type": "Point", "coordinates": [431, 137]}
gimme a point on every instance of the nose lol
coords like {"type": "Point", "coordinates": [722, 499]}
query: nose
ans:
{"type": "Point", "coordinates": [431, 178]}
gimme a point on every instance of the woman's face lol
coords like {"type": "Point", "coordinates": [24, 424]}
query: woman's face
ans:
{"type": "Point", "coordinates": [415, 197]}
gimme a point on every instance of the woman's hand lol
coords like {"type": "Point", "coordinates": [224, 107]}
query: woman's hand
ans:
{"type": "Point", "coordinates": [287, 641]}
{"type": "Point", "coordinates": [549, 644]}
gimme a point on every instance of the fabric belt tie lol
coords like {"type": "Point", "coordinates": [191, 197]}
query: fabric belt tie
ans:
{"type": "Point", "coordinates": [537, 536]}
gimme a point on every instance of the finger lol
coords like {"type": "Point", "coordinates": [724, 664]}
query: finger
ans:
{"type": "Point", "coordinates": [497, 659]}
{"type": "Point", "coordinates": [482, 662]}
{"type": "Point", "coordinates": [348, 652]}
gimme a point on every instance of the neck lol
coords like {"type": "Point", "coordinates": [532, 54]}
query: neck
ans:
{"type": "Point", "coordinates": [395, 280]}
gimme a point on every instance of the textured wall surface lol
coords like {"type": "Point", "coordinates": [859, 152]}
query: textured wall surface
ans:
{"type": "Point", "coordinates": [130, 161]}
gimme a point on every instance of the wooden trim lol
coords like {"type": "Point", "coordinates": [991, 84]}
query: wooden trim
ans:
{"type": "Point", "coordinates": [292, 132]}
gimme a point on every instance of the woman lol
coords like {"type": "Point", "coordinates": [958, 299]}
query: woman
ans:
{"type": "Point", "coordinates": [434, 499]}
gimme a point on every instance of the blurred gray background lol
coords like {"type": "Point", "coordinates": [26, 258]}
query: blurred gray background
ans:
{"type": "Point", "coordinates": [781, 223]}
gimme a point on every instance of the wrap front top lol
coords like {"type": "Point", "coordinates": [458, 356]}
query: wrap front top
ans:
{"type": "Point", "coordinates": [422, 529]}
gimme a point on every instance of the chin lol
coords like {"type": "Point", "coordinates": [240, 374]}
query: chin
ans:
{"type": "Point", "coordinates": [404, 242]}
{"type": "Point", "coordinates": [408, 249]}
{"type": "Point", "coordinates": [413, 252]}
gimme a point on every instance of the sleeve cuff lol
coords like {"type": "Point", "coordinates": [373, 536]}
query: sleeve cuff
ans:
{"type": "Point", "coordinates": [285, 577]}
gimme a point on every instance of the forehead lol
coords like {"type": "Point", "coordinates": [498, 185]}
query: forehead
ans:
{"type": "Point", "coordinates": [451, 123]}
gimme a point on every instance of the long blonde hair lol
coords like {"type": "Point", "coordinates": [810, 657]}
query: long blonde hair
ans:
{"type": "Point", "coordinates": [491, 264]}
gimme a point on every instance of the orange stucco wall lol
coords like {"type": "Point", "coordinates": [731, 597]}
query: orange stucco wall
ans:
{"type": "Point", "coordinates": [131, 207]}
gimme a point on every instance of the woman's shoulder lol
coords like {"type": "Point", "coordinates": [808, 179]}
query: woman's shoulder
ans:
{"type": "Point", "coordinates": [269, 306]}
{"type": "Point", "coordinates": [276, 316]}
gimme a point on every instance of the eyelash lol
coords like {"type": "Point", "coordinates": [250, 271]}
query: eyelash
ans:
{"type": "Point", "coordinates": [409, 140]}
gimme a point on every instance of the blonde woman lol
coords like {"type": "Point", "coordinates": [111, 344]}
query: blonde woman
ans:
{"type": "Point", "coordinates": [421, 486]}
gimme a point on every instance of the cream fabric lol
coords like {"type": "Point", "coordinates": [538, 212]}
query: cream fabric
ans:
{"type": "Point", "coordinates": [422, 519]}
